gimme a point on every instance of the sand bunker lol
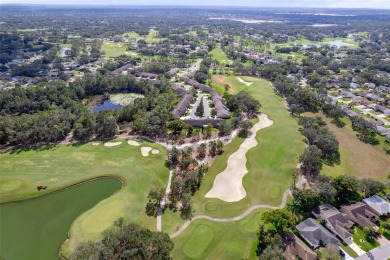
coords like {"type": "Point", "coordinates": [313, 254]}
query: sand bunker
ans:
{"type": "Point", "coordinates": [155, 151]}
{"type": "Point", "coordinates": [243, 81]}
{"type": "Point", "coordinates": [133, 143]}
{"type": "Point", "coordinates": [145, 151]}
{"type": "Point", "coordinates": [109, 144]}
{"type": "Point", "coordinates": [95, 143]}
{"type": "Point", "coordinates": [228, 184]}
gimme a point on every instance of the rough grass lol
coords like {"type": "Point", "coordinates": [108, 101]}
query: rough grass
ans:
{"type": "Point", "coordinates": [63, 165]}
{"type": "Point", "coordinates": [125, 99]}
{"type": "Point", "coordinates": [210, 240]}
{"type": "Point", "coordinates": [357, 158]}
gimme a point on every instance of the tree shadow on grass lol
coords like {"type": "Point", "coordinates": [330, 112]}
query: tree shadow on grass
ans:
{"type": "Point", "coordinates": [36, 148]}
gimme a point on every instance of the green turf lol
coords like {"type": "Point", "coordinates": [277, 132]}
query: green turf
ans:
{"type": "Point", "coordinates": [365, 244]}
{"type": "Point", "coordinates": [349, 250]}
{"type": "Point", "coordinates": [63, 165]}
{"type": "Point", "coordinates": [114, 49]}
{"type": "Point", "coordinates": [209, 240]}
{"type": "Point", "coordinates": [220, 56]}
{"type": "Point", "coordinates": [35, 229]}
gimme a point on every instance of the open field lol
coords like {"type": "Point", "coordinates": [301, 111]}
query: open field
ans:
{"type": "Point", "coordinates": [357, 158]}
{"type": "Point", "coordinates": [209, 240]}
{"type": "Point", "coordinates": [63, 165]}
{"type": "Point", "coordinates": [114, 49]}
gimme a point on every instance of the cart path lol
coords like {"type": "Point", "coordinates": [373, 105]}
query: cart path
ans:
{"type": "Point", "coordinates": [237, 218]}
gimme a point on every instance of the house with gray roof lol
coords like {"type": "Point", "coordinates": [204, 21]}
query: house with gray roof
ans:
{"type": "Point", "coordinates": [379, 205]}
{"type": "Point", "coordinates": [336, 221]}
{"type": "Point", "coordinates": [315, 234]}
{"type": "Point", "coordinates": [361, 214]}
{"type": "Point", "coordinates": [293, 247]}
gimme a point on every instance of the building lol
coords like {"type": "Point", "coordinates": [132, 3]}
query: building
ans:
{"type": "Point", "coordinates": [361, 214]}
{"type": "Point", "coordinates": [336, 221]}
{"type": "Point", "coordinates": [378, 205]}
{"type": "Point", "coordinates": [315, 234]}
{"type": "Point", "coordinates": [293, 247]}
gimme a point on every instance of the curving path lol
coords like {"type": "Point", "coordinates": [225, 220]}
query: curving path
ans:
{"type": "Point", "coordinates": [237, 218]}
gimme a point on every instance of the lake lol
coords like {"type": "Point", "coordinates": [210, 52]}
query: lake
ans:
{"type": "Point", "coordinates": [35, 229]}
{"type": "Point", "coordinates": [106, 105]}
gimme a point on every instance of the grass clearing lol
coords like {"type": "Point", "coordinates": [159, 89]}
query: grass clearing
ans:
{"type": "Point", "coordinates": [125, 99]}
{"type": "Point", "coordinates": [63, 165]}
{"type": "Point", "coordinates": [113, 49]}
{"type": "Point", "coordinates": [220, 56]}
{"type": "Point", "coordinates": [357, 158]}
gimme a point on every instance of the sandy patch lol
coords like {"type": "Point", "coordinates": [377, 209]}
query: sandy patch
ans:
{"type": "Point", "coordinates": [223, 80]}
{"type": "Point", "coordinates": [243, 81]}
{"type": "Point", "coordinates": [145, 151]}
{"type": "Point", "coordinates": [110, 144]}
{"type": "Point", "coordinates": [133, 143]}
{"type": "Point", "coordinates": [95, 143]}
{"type": "Point", "coordinates": [228, 184]}
{"type": "Point", "coordinates": [155, 151]}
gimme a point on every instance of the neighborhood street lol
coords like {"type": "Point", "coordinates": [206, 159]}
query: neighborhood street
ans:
{"type": "Point", "coordinates": [380, 253]}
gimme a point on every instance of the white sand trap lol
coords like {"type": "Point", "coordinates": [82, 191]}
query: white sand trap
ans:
{"type": "Point", "coordinates": [133, 143]}
{"type": "Point", "coordinates": [228, 184]}
{"type": "Point", "coordinates": [243, 81]}
{"type": "Point", "coordinates": [155, 151]}
{"type": "Point", "coordinates": [109, 144]}
{"type": "Point", "coordinates": [95, 143]}
{"type": "Point", "coordinates": [145, 151]}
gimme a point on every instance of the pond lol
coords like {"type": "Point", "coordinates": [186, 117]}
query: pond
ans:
{"type": "Point", "coordinates": [35, 229]}
{"type": "Point", "coordinates": [107, 105]}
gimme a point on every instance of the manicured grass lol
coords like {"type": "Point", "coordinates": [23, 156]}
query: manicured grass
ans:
{"type": "Point", "coordinates": [153, 37]}
{"type": "Point", "coordinates": [220, 56]}
{"type": "Point", "coordinates": [114, 49]}
{"type": "Point", "coordinates": [384, 233]}
{"type": "Point", "coordinates": [209, 240]}
{"type": "Point", "coordinates": [131, 34]}
{"type": "Point", "coordinates": [63, 165]}
{"type": "Point", "coordinates": [349, 250]}
{"type": "Point", "coordinates": [360, 239]}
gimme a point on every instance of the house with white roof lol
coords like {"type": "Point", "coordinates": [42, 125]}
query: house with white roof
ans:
{"type": "Point", "coordinates": [378, 204]}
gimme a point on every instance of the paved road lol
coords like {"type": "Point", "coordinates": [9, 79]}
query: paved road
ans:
{"type": "Point", "coordinates": [194, 68]}
{"type": "Point", "coordinates": [380, 253]}
{"type": "Point", "coordinates": [162, 206]}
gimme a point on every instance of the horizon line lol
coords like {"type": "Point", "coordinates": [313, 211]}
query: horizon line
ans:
{"type": "Point", "coordinates": [183, 5]}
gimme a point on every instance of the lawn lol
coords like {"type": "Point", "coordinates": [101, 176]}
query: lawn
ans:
{"type": "Point", "coordinates": [364, 243]}
{"type": "Point", "coordinates": [64, 165]}
{"type": "Point", "coordinates": [349, 250]}
{"type": "Point", "coordinates": [153, 37]}
{"type": "Point", "coordinates": [114, 49]}
{"type": "Point", "coordinates": [131, 35]}
{"type": "Point", "coordinates": [209, 240]}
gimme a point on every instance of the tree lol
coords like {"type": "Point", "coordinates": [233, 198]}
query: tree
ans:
{"type": "Point", "coordinates": [386, 226]}
{"type": "Point", "coordinates": [271, 253]}
{"type": "Point", "coordinates": [279, 218]}
{"type": "Point", "coordinates": [263, 240]}
{"type": "Point", "coordinates": [370, 187]}
{"type": "Point", "coordinates": [186, 211]}
{"type": "Point", "coordinates": [177, 126]}
{"type": "Point", "coordinates": [126, 241]}
{"type": "Point", "coordinates": [201, 150]}
{"type": "Point", "coordinates": [244, 126]}
{"type": "Point", "coordinates": [105, 124]}
{"type": "Point", "coordinates": [366, 131]}
{"type": "Point", "coordinates": [306, 199]}
{"type": "Point", "coordinates": [369, 232]}
{"type": "Point", "coordinates": [219, 147]}
{"type": "Point", "coordinates": [311, 160]}
{"type": "Point", "coordinates": [174, 155]}
{"type": "Point", "coordinates": [330, 252]}
{"type": "Point", "coordinates": [325, 190]}
{"type": "Point", "coordinates": [200, 109]}
{"type": "Point", "coordinates": [346, 188]}
{"type": "Point", "coordinates": [155, 197]}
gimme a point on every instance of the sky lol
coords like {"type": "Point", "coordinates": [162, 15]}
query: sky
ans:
{"type": "Point", "coordinates": [378, 4]}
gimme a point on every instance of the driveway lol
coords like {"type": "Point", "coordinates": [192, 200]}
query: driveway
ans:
{"type": "Point", "coordinates": [357, 249]}
{"type": "Point", "coordinates": [380, 253]}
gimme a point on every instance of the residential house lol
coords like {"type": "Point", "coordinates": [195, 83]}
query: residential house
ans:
{"type": "Point", "coordinates": [336, 221]}
{"type": "Point", "coordinates": [361, 214]}
{"type": "Point", "coordinates": [378, 205]}
{"type": "Point", "coordinates": [182, 106]}
{"type": "Point", "coordinates": [293, 247]}
{"type": "Point", "coordinates": [383, 130]}
{"type": "Point", "coordinates": [315, 234]}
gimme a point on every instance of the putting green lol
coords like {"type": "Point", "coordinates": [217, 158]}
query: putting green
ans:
{"type": "Point", "coordinates": [10, 185]}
